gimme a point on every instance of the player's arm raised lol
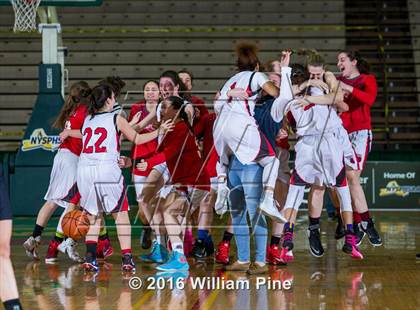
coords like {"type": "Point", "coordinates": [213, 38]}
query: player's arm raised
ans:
{"type": "Point", "coordinates": [133, 136]}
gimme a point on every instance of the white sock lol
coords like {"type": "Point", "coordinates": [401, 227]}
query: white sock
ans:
{"type": "Point", "coordinates": [178, 247]}
{"type": "Point", "coordinates": [260, 264]}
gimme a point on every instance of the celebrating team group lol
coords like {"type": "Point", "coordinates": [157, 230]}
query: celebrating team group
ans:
{"type": "Point", "coordinates": [189, 164]}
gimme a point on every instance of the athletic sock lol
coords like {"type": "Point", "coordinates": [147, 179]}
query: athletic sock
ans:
{"type": "Point", "coordinates": [275, 240]}
{"type": "Point", "coordinates": [37, 231]}
{"type": "Point", "coordinates": [12, 304]}
{"type": "Point", "coordinates": [365, 216]}
{"type": "Point", "coordinates": [202, 234]}
{"type": "Point", "coordinates": [313, 221]}
{"type": "Point", "coordinates": [91, 248]}
{"type": "Point", "coordinates": [178, 247]}
{"type": "Point", "coordinates": [356, 217]}
{"type": "Point", "coordinates": [288, 227]}
{"type": "Point", "coordinates": [227, 236]}
{"type": "Point", "coordinates": [125, 251]}
{"type": "Point", "coordinates": [349, 228]}
{"type": "Point", "coordinates": [160, 240]}
{"type": "Point", "coordinates": [209, 240]}
{"type": "Point", "coordinates": [59, 237]}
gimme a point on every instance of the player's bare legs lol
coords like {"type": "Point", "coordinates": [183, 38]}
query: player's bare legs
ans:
{"type": "Point", "coordinates": [44, 214]}
{"type": "Point", "coordinates": [363, 222]}
{"type": "Point", "coordinates": [357, 194]}
{"type": "Point", "coordinates": [8, 289]}
{"type": "Point", "coordinates": [204, 246]}
{"type": "Point", "coordinates": [154, 215]}
{"type": "Point", "coordinates": [175, 208]}
{"type": "Point", "coordinates": [122, 222]}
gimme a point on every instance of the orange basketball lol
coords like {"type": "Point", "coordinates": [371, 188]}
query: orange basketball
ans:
{"type": "Point", "coordinates": [75, 224]}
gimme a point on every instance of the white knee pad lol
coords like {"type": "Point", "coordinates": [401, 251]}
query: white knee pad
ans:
{"type": "Point", "coordinates": [343, 194]}
{"type": "Point", "coordinates": [294, 197]}
{"type": "Point", "coordinates": [271, 169]}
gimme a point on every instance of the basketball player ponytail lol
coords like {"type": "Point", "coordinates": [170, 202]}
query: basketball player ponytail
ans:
{"type": "Point", "coordinates": [179, 105]}
{"type": "Point", "coordinates": [79, 94]}
{"type": "Point", "coordinates": [362, 65]}
{"type": "Point", "coordinates": [98, 98]}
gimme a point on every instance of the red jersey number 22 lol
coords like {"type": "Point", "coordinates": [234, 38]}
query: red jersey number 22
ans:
{"type": "Point", "coordinates": [97, 148]}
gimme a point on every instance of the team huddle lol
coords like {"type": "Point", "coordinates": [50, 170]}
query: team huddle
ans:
{"type": "Point", "coordinates": [188, 163]}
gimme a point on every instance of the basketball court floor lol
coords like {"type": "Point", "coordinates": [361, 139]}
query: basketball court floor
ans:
{"type": "Point", "coordinates": [388, 277]}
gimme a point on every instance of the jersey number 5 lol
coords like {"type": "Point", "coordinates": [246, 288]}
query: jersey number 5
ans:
{"type": "Point", "coordinates": [102, 133]}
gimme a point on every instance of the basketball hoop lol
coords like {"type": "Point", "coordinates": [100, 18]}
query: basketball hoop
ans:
{"type": "Point", "coordinates": [25, 15]}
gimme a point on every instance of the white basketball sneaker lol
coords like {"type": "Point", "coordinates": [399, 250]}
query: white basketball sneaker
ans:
{"type": "Point", "coordinates": [268, 207]}
{"type": "Point", "coordinates": [69, 247]}
{"type": "Point", "coordinates": [31, 246]}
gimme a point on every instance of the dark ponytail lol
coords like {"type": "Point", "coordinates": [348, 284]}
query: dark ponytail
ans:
{"type": "Point", "coordinates": [79, 94]}
{"type": "Point", "coordinates": [179, 104]}
{"type": "Point", "coordinates": [115, 82]}
{"type": "Point", "coordinates": [247, 56]}
{"type": "Point", "coordinates": [362, 65]}
{"type": "Point", "coordinates": [98, 98]}
{"type": "Point", "coordinates": [299, 74]}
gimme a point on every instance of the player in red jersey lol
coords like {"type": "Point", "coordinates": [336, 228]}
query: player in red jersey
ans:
{"type": "Point", "coordinates": [62, 190]}
{"type": "Point", "coordinates": [155, 186]}
{"type": "Point", "coordinates": [187, 175]}
{"type": "Point", "coordinates": [360, 91]}
{"type": "Point", "coordinates": [142, 116]}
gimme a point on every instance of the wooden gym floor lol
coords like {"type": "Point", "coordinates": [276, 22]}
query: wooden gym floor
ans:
{"type": "Point", "coordinates": [388, 277]}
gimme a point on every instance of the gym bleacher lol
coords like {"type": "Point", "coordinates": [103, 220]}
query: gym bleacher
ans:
{"type": "Point", "coordinates": [137, 40]}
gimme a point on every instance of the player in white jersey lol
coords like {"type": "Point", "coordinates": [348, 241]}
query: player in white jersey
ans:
{"type": "Point", "coordinates": [236, 133]}
{"type": "Point", "coordinates": [326, 80]}
{"type": "Point", "coordinates": [319, 160]}
{"type": "Point", "coordinates": [99, 176]}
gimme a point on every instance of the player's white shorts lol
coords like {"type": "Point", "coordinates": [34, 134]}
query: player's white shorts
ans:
{"type": "Point", "coordinates": [361, 142]}
{"type": "Point", "coordinates": [283, 156]}
{"type": "Point", "coordinates": [63, 178]}
{"type": "Point", "coordinates": [240, 137]}
{"type": "Point", "coordinates": [193, 196]}
{"type": "Point", "coordinates": [343, 139]}
{"type": "Point", "coordinates": [101, 188]}
{"type": "Point", "coordinates": [139, 182]}
{"type": "Point", "coordinates": [164, 171]}
{"type": "Point", "coordinates": [318, 160]}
